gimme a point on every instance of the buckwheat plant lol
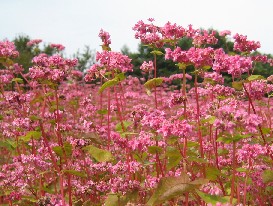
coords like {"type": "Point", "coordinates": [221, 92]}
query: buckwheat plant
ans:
{"type": "Point", "coordinates": [108, 138]}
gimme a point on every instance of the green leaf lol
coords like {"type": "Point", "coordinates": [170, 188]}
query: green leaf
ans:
{"type": "Point", "coordinates": [240, 169]}
{"type": "Point", "coordinates": [121, 200]}
{"type": "Point", "coordinates": [267, 176]}
{"type": "Point", "coordinates": [34, 118]}
{"type": "Point", "coordinates": [149, 93]}
{"type": "Point", "coordinates": [235, 138]}
{"type": "Point", "coordinates": [212, 173]}
{"type": "Point", "coordinates": [152, 83]}
{"type": "Point", "coordinates": [35, 134]}
{"type": "Point", "coordinates": [58, 150]}
{"type": "Point", "coordinates": [207, 67]}
{"type": "Point", "coordinates": [112, 82]}
{"type": "Point", "coordinates": [124, 134]}
{"type": "Point", "coordinates": [269, 190]}
{"type": "Point", "coordinates": [157, 52]}
{"type": "Point", "coordinates": [6, 144]}
{"type": "Point", "coordinates": [192, 144]}
{"type": "Point", "coordinates": [76, 173]}
{"type": "Point", "coordinates": [238, 85]}
{"type": "Point", "coordinates": [29, 199]}
{"type": "Point", "coordinates": [181, 65]}
{"type": "Point", "coordinates": [226, 140]}
{"type": "Point", "coordinates": [255, 77]}
{"type": "Point", "coordinates": [18, 80]}
{"type": "Point", "coordinates": [200, 181]}
{"type": "Point", "coordinates": [213, 199]}
{"type": "Point", "coordinates": [105, 48]}
{"type": "Point", "coordinates": [67, 147]}
{"type": "Point", "coordinates": [6, 61]}
{"type": "Point", "coordinates": [174, 157]}
{"type": "Point", "coordinates": [238, 137]}
{"type": "Point", "coordinates": [266, 130]}
{"type": "Point", "coordinates": [112, 200]}
{"type": "Point", "coordinates": [99, 154]}
{"type": "Point", "coordinates": [155, 149]}
{"type": "Point", "coordinates": [12, 144]}
{"type": "Point", "coordinates": [196, 159]}
{"type": "Point", "coordinates": [170, 187]}
{"type": "Point", "coordinates": [102, 111]}
{"type": "Point", "coordinates": [120, 76]}
{"type": "Point", "coordinates": [222, 151]}
{"type": "Point", "coordinates": [211, 119]}
{"type": "Point", "coordinates": [109, 83]}
{"type": "Point", "coordinates": [126, 124]}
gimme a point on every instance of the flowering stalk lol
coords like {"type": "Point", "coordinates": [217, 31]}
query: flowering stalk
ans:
{"type": "Point", "coordinates": [155, 95]}
{"type": "Point", "coordinates": [233, 172]}
{"type": "Point", "coordinates": [254, 111]}
{"type": "Point", "coordinates": [198, 120]}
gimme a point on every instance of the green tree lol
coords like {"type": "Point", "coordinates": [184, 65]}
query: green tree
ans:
{"type": "Point", "coordinates": [28, 52]}
{"type": "Point", "coordinates": [85, 58]}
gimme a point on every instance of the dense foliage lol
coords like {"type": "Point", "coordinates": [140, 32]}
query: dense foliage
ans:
{"type": "Point", "coordinates": [109, 138]}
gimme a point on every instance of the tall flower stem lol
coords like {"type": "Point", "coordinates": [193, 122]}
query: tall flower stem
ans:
{"type": "Point", "coordinates": [108, 119]}
{"type": "Point", "coordinates": [233, 172]}
{"type": "Point", "coordinates": [155, 77]}
{"type": "Point", "coordinates": [254, 111]}
{"type": "Point", "coordinates": [198, 121]}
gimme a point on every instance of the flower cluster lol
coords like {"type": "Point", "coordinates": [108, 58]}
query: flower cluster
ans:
{"type": "Point", "coordinates": [59, 47]}
{"type": "Point", "coordinates": [111, 61]}
{"type": "Point", "coordinates": [8, 50]}
{"type": "Point", "coordinates": [147, 66]}
{"type": "Point", "coordinates": [54, 67]}
{"type": "Point", "coordinates": [241, 44]}
{"type": "Point", "coordinates": [34, 42]}
{"type": "Point", "coordinates": [64, 142]}
{"type": "Point", "coordinates": [105, 37]}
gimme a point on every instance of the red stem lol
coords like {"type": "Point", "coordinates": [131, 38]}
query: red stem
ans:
{"type": "Point", "coordinates": [155, 77]}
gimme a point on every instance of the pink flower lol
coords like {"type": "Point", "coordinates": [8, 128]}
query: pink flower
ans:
{"type": "Point", "coordinates": [235, 65]}
{"type": "Point", "coordinates": [270, 61]}
{"type": "Point", "coordinates": [59, 47]}
{"type": "Point", "coordinates": [224, 33]}
{"type": "Point", "coordinates": [8, 50]}
{"type": "Point", "coordinates": [250, 151]}
{"type": "Point", "coordinates": [105, 37]}
{"type": "Point", "coordinates": [147, 67]}
{"type": "Point", "coordinates": [174, 31]}
{"type": "Point", "coordinates": [243, 45]}
{"type": "Point", "coordinates": [113, 61]}
{"type": "Point", "coordinates": [214, 76]}
{"type": "Point", "coordinates": [34, 42]}
{"type": "Point", "coordinates": [148, 34]}
{"type": "Point", "coordinates": [203, 37]}
{"type": "Point", "coordinates": [176, 99]}
{"type": "Point", "coordinates": [259, 58]}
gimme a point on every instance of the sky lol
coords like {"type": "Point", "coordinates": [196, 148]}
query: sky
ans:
{"type": "Point", "coordinates": [76, 23]}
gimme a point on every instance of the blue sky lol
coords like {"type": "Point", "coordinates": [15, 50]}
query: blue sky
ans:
{"type": "Point", "coordinates": [77, 23]}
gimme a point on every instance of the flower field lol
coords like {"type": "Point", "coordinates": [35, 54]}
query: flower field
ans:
{"type": "Point", "coordinates": [104, 137]}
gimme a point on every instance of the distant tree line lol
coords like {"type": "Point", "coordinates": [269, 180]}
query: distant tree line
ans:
{"type": "Point", "coordinates": [86, 58]}
{"type": "Point", "coordinates": [166, 68]}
